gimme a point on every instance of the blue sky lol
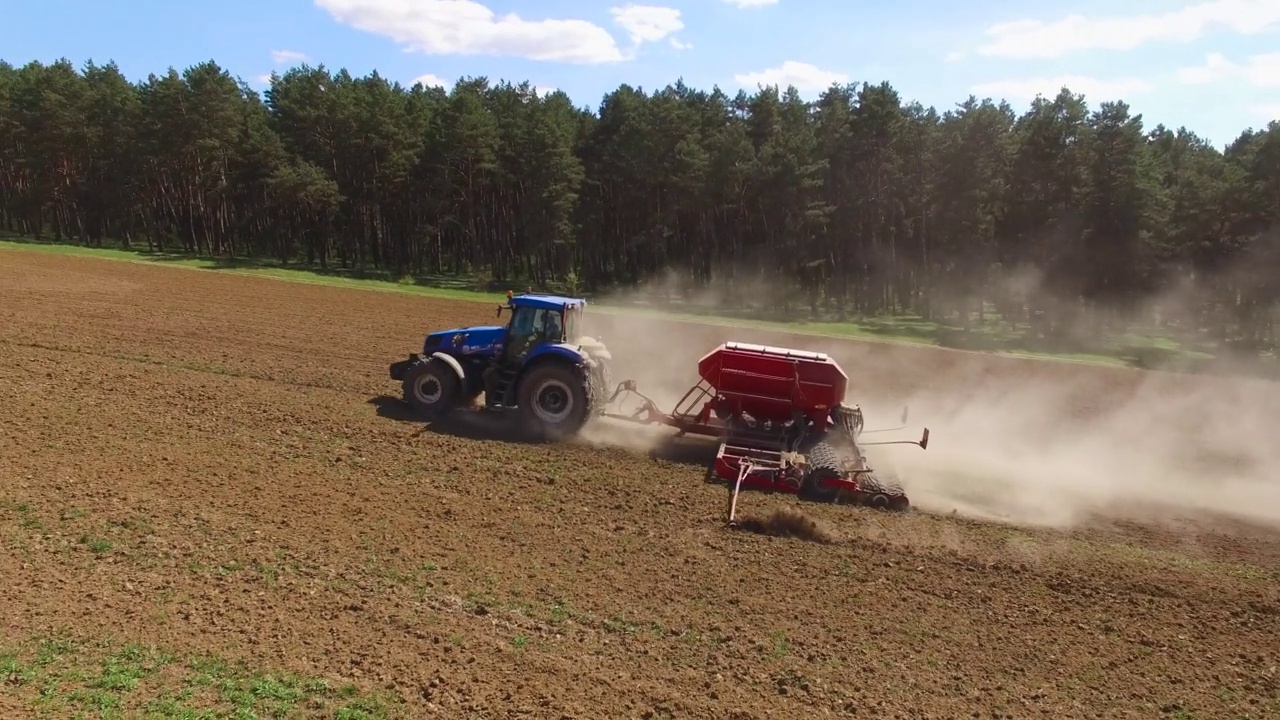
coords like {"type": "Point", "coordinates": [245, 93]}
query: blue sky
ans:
{"type": "Point", "coordinates": [1212, 65]}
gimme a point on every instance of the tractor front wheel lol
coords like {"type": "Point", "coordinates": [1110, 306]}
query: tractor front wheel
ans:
{"type": "Point", "coordinates": [554, 401]}
{"type": "Point", "coordinates": [431, 388]}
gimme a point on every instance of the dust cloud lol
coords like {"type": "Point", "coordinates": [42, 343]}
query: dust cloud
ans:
{"type": "Point", "coordinates": [1041, 443]}
{"type": "Point", "coordinates": [1029, 451]}
{"type": "Point", "coordinates": [1021, 441]}
{"type": "Point", "coordinates": [786, 523]}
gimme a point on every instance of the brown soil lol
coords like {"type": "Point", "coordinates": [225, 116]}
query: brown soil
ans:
{"type": "Point", "coordinates": [207, 462]}
{"type": "Point", "coordinates": [785, 522]}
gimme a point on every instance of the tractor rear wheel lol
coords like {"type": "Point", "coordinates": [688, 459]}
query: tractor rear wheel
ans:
{"type": "Point", "coordinates": [824, 463]}
{"type": "Point", "coordinates": [431, 388]}
{"type": "Point", "coordinates": [554, 401]}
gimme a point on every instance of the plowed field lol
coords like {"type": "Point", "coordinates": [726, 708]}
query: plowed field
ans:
{"type": "Point", "coordinates": [212, 500]}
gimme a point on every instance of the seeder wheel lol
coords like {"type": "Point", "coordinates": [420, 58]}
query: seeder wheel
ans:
{"type": "Point", "coordinates": [884, 494]}
{"type": "Point", "coordinates": [824, 462]}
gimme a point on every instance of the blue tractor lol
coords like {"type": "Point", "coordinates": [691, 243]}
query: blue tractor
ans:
{"type": "Point", "coordinates": [538, 367]}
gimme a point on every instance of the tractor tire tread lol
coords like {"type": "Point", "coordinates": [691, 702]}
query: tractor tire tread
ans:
{"type": "Point", "coordinates": [584, 397]}
{"type": "Point", "coordinates": [451, 387]}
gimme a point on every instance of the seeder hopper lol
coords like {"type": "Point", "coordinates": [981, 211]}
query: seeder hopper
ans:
{"type": "Point", "coordinates": [782, 423]}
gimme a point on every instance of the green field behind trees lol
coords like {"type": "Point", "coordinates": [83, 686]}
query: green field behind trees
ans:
{"type": "Point", "coordinates": [1056, 228]}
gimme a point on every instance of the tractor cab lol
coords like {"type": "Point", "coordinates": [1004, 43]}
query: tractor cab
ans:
{"type": "Point", "coordinates": [537, 320]}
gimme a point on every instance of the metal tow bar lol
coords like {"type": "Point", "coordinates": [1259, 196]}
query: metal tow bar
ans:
{"type": "Point", "coordinates": [745, 467]}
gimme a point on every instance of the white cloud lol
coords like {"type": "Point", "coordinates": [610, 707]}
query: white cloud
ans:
{"type": "Point", "coordinates": [647, 23]}
{"type": "Point", "coordinates": [1215, 66]}
{"type": "Point", "coordinates": [1025, 39]}
{"type": "Point", "coordinates": [1261, 71]}
{"type": "Point", "coordinates": [264, 80]}
{"type": "Point", "coordinates": [751, 3]}
{"type": "Point", "coordinates": [802, 75]}
{"type": "Point", "coordinates": [1092, 88]}
{"type": "Point", "coordinates": [1268, 111]}
{"type": "Point", "coordinates": [465, 27]}
{"type": "Point", "coordinates": [431, 80]}
{"type": "Point", "coordinates": [280, 57]}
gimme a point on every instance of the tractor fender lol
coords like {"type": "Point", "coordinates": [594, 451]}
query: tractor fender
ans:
{"type": "Point", "coordinates": [452, 362]}
{"type": "Point", "coordinates": [546, 354]}
{"type": "Point", "coordinates": [559, 351]}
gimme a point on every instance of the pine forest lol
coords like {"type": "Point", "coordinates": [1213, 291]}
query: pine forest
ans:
{"type": "Point", "coordinates": [1059, 220]}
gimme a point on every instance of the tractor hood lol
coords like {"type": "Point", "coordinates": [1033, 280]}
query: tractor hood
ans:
{"type": "Point", "coordinates": [478, 340]}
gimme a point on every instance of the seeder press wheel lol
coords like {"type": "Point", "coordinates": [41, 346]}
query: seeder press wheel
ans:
{"type": "Point", "coordinates": [883, 494]}
{"type": "Point", "coordinates": [825, 461]}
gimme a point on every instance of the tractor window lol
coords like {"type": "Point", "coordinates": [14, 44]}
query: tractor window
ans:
{"type": "Point", "coordinates": [572, 322]}
{"type": "Point", "coordinates": [522, 321]}
{"type": "Point", "coordinates": [537, 324]}
{"type": "Point", "coordinates": [552, 329]}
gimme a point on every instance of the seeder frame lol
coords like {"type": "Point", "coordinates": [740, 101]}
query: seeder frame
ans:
{"type": "Point", "coordinates": [762, 454]}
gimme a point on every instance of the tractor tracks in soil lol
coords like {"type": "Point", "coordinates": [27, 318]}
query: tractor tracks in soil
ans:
{"type": "Point", "coordinates": [178, 365]}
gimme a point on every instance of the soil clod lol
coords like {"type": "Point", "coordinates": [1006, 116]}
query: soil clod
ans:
{"type": "Point", "coordinates": [786, 523]}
